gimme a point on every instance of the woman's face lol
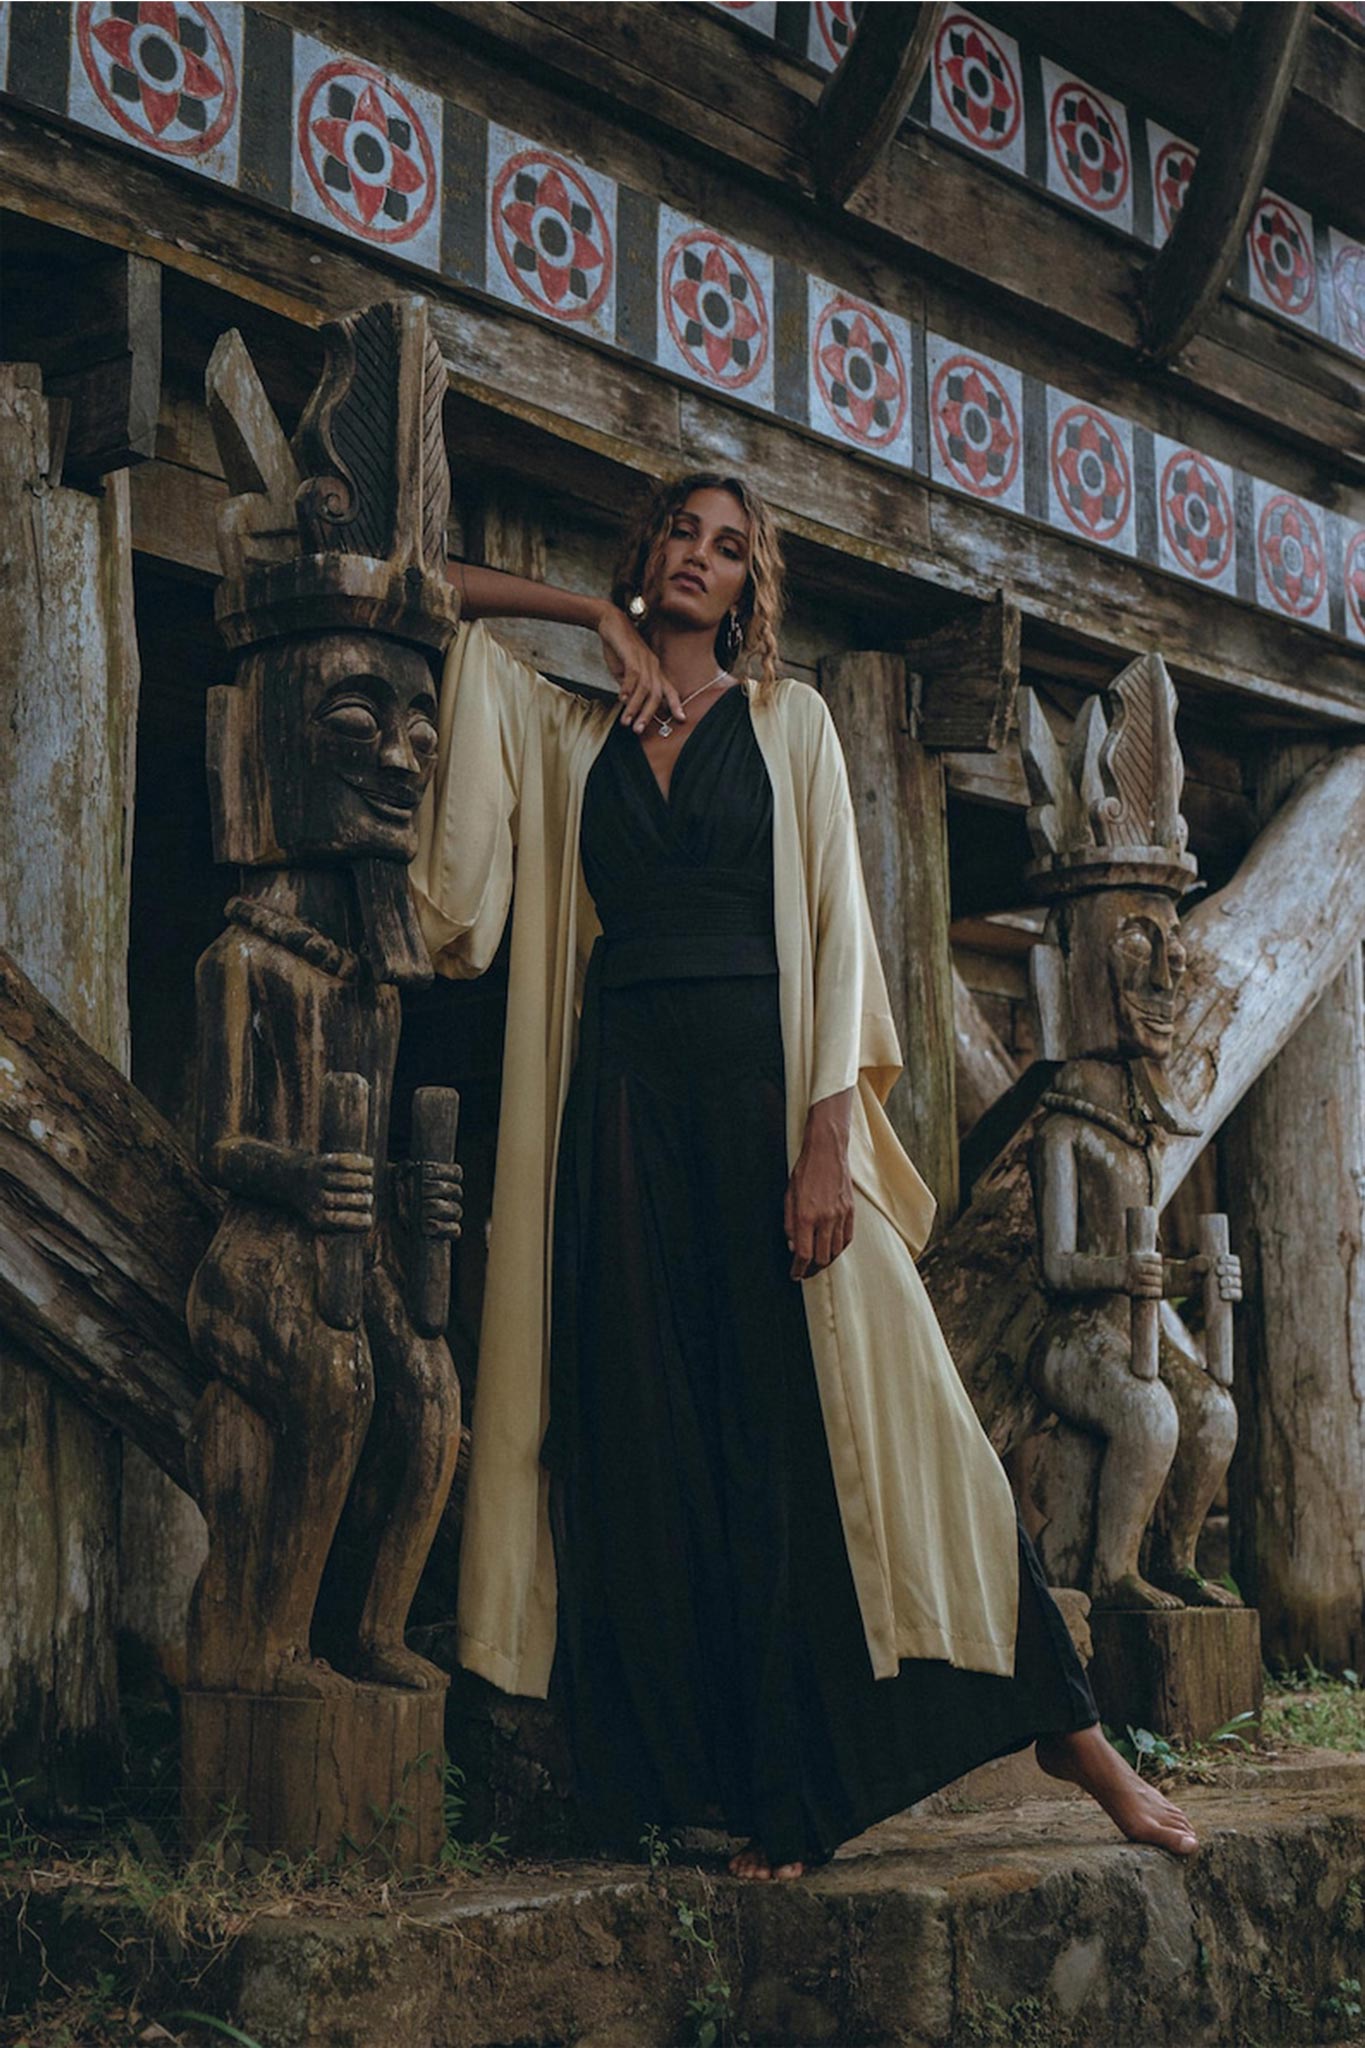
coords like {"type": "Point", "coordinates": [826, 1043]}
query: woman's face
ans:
{"type": "Point", "coordinates": [705, 559]}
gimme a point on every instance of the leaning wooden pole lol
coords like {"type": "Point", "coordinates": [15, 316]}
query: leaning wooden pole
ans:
{"type": "Point", "coordinates": [103, 1219]}
{"type": "Point", "coordinates": [1261, 953]}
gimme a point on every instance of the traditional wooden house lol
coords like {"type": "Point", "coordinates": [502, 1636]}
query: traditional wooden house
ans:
{"type": "Point", "coordinates": [1043, 330]}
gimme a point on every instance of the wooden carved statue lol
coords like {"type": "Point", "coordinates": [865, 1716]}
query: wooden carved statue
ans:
{"type": "Point", "coordinates": [324, 1449]}
{"type": "Point", "coordinates": [1144, 1405]}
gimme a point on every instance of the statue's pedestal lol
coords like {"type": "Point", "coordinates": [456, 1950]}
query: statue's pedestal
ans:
{"type": "Point", "coordinates": [355, 1777]}
{"type": "Point", "coordinates": [1182, 1673]}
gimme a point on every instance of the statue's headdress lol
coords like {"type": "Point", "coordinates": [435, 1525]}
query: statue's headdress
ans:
{"type": "Point", "coordinates": [346, 525]}
{"type": "Point", "coordinates": [1106, 813]}
{"type": "Point", "coordinates": [1105, 816]}
{"type": "Point", "coordinates": [340, 531]}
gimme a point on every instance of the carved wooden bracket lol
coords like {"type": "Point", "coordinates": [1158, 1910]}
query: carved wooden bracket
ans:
{"type": "Point", "coordinates": [963, 679]}
{"type": "Point", "coordinates": [867, 98]}
{"type": "Point", "coordinates": [96, 334]}
{"type": "Point", "coordinates": [1244, 119]}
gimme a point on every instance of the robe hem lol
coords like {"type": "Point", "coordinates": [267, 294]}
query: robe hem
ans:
{"type": "Point", "coordinates": [485, 1661]}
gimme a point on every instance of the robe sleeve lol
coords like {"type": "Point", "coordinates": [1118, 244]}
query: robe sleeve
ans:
{"type": "Point", "coordinates": [854, 1030]}
{"type": "Point", "coordinates": [467, 827]}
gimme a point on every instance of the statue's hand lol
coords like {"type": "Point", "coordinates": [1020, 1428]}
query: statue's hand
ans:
{"type": "Point", "coordinates": [336, 1191]}
{"type": "Point", "coordinates": [438, 1189]}
{"type": "Point", "coordinates": [1228, 1274]}
{"type": "Point", "coordinates": [1144, 1275]}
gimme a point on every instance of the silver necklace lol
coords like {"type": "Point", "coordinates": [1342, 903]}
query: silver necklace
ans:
{"type": "Point", "coordinates": [665, 724]}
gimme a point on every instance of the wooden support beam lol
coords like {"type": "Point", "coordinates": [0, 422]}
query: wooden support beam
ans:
{"type": "Point", "coordinates": [96, 334]}
{"type": "Point", "coordinates": [898, 801]}
{"type": "Point", "coordinates": [1189, 273]}
{"type": "Point", "coordinates": [867, 98]}
{"type": "Point", "coordinates": [964, 679]}
{"type": "Point", "coordinates": [606, 423]}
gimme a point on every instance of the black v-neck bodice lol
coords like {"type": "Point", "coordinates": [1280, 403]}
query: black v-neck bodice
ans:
{"type": "Point", "coordinates": [683, 883]}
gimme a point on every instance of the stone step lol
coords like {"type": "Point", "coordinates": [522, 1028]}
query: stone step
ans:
{"type": "Point", "coordinates": [1026, 1925]}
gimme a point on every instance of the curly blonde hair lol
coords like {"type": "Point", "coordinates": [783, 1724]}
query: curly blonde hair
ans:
{"type": "Point", "coordinates": [760, 606]}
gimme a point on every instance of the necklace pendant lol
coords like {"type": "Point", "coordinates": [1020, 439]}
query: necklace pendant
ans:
{"type": "Point", "coordinates": [665, 726]}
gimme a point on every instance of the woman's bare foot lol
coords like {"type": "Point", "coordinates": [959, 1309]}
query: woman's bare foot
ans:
{"type": "Point", "coordinates": [751, 1863]}
{"type": "Point", "coordinates": [1136, 1808]}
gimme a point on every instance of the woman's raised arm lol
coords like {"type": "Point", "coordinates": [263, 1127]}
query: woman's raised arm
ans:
{"type": "Point", "coordinates": [495, 594]}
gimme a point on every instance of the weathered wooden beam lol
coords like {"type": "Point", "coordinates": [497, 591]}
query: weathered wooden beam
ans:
{"type": "Point", "coordinates": [1171, 62]}
{"type": "Point", "coordinates": [615, 419]}
{"type": "Point", "coordinates": [867, 98]}
{"type": "Point", "coordinates": [985, 1070]}
{"type": "Point", "coordinates": [965, 678]}
{"type": "Point", "coordinates": [1189, 273]}
{"type": "Point", "coordinates": [96, 334]}
{"type": "Point", "coordinates": [1261, 953]}
{"type": "Point", "coordinates": [1048, 265]}
{"type": "Point", "coordinates": [1293, 1162]}
{"type": "Point", "coordinates": [103, 1218]}
{"type": "Point", "coordinates": [898, 801]}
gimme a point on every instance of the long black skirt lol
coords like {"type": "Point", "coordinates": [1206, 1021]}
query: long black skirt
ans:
{"type": "Point", "coordinates": [712, 1665]}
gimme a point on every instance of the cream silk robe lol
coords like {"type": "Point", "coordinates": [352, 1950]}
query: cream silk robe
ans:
{"type": "Point", "coordinates": [928, 1516]}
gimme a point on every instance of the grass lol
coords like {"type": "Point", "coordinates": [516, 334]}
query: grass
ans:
{"type": "Point", "coordinates": [174, 1917]}
{"type": "Point", "coordinates": [1309, 1709]}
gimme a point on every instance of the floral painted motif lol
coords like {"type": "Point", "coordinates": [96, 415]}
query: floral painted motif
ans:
{"type": "Point", "coordinates": [162, 70]}
{"type": "Point", "coordinates": [1196, 515]}
{"type": "Point", "coordinates": [1281, 244]}
{"type": "Point", "coordinates": [832, 26]}
{"type": "Point", "coordinates": [1089, 147]}
{"type": "Point", "coordinates": [1292, 557]}
{"type": "Point", "coordinates": [367, 152]}
{"type": "Point", "coordinates": [978, 86]}
{"type": "Point", "coordinates": [551, 235]}
{"type": "Point", "coordinates": [715, 308]}
{"type": "Point", "coordinates": [1171, 174]}
{"type": "Point", "coordinates": [860, 372]}
{"type": "Point", "coordinates": [1091, 474]}
{"type": "Point", "coordinates": [976, 427]}
{"type": "Point", "coordinates": [1355, 585]}
{"type": "Point", "coordinates": [1348, 289]}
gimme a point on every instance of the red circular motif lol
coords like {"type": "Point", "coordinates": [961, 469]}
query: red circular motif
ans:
{"type": "Point", "coordinates": [366, 151]}
{"type": "Point", "coordinates": [1292, 556]}
{"type": "Point", "coordinates": [1089, 146]}
{"type": "Point", "coordinates": [1283, 258]}
{"type": "Point", "coordinates": [1348, 282]}
{"type": "Point", "coordinates": [977, 84]}
{"type": "Point", "coordinates": [552, 237]}
{"type": "Point", "coordinates": [163, 71]}
{"type": "Point", "coordinates": [836, 20]}
{"type": "Point", "coordinates": [1090, 473]}
{"type": "Point", "coordinates": [1355, 580]}
{"type": "Point", "coordinates": [1196, 515]}
{"type": "Point", "coordinates": [860, 372]}
{"type": "Point", "coordinates": [715, 308]}
{"type": "Point", "coordinates": [1171, 175]}
{"type": "Point", "coordinates": [975, 426]}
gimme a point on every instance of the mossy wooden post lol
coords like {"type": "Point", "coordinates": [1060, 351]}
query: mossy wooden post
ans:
{"type": "Point", "coordinates": [899, 803]}
{"type": "Point", "coordinates": [1293, 1159]}
{"type": "Point", "coordinates": [323, 1447]}
{"type": "Point", "coordinates": [68, 707]}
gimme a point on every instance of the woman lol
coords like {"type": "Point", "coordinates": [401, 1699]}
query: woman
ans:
{"type": "Point", "coordinates": [785, 1582]}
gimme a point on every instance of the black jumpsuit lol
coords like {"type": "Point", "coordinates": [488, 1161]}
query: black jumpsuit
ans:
{"type": "Point", "coordinates": [712, 1664]}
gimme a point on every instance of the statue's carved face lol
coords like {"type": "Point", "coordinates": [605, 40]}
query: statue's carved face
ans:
{"type": "Point", "coordinates": [1146, 961]}
{"type": "Point", "coordinates": [1124, 961]}
{"type": "Point", "coordinates": [347, 744]}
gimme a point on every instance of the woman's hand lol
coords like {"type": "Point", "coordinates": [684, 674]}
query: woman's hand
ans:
{"type": "Point", "coordinates": [818, 1211]}
{"type": "Point", "coordinates": [632, 661]}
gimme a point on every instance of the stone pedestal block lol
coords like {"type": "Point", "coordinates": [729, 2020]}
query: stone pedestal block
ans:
{"type": "Point", "coordinates": [1182, 1674]}
{"type": "Point", "coordinates": [355, 1776]}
